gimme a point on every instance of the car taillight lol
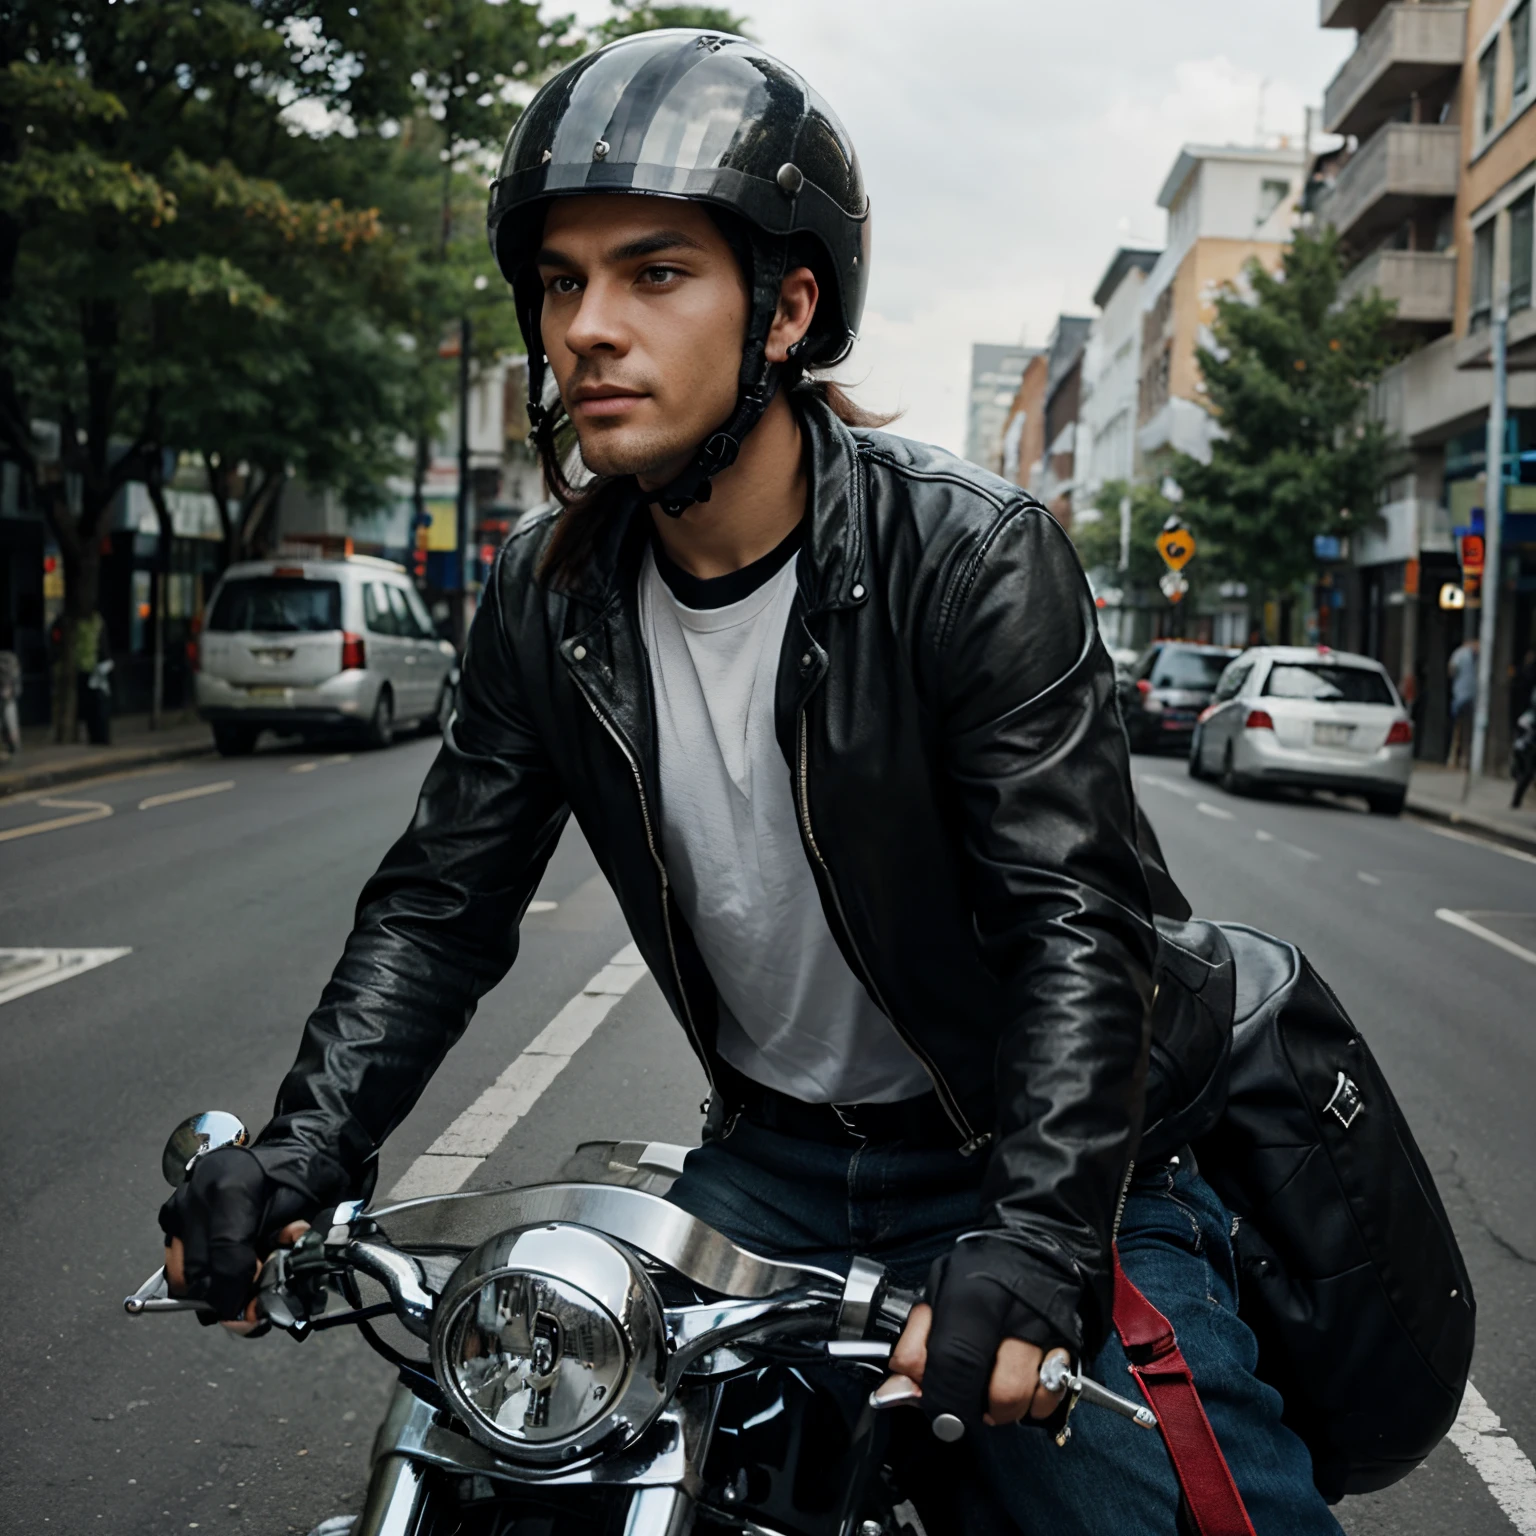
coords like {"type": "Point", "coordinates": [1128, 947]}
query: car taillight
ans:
{"type": "Point", "coordinates": [353, 654]}
{"type": "Point", "coordinates": [1401, 734]}
{"type": "Point", "coordinates": [1143, 686]}
{"type": "Point", "coordinates": [194, 655]}
{"type": "Point", "coordinates": [1258, 720]}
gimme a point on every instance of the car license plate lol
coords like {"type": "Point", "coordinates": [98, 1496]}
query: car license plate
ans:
{"type": "Point", "coordinates": [1333, 735]}
{"type": "Point", "coordinates": [266, 692]}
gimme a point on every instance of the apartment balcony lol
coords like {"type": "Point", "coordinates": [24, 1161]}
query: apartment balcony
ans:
{"type": "Point", "coordinates": [1410, 47]}
{"type": "Point", "coordinates": [1423, 283]}
{"type": "Point", "coordinates": [1399, 170]}
{"type": "Point", "coordinates": [1358, 14]}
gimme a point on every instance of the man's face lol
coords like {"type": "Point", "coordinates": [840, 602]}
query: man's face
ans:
{"type": "Point", "coordinates": [645, 310]}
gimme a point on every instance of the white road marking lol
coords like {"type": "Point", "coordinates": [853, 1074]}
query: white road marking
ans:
{"type": "Point", "coordinates": [1207, 809]}
{"type": "Point", "coordinates": [1461, 920]}
{"type": "Point", "coordinates": [303, 767]}
{"type": "Point", "coordinates": [1502, 1465]}
{"type": "Point", "coordinates": [339, 757]}
{"type": "Point", "coordinates": [454, 1156]}
{"type": "Point", "coordinates": [1183, 791]}
{"type": "Point", "coordinates": [28, 970]}
{"type": "Point", "coordinates": [1264, 837]}
{"type": "Point", "coordinates": [195, 793]}
{"type": "Point", "coordinates": [89, 810]}
{"type": "Point", "coordinates": [1477, 842]}
{"type": "Point", "coordinates": [1367, 879]}
{"type": "Point", "coordinates": [542, 906]}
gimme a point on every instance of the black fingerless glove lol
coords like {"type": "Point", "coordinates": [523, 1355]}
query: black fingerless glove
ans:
{"type": "Point", "coordinates": [977, 1294]}
{"type": "Point", "coordinates": [227, 1215]}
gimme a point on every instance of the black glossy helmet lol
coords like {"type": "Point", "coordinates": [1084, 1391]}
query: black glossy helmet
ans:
{"type": "Point", "coordinates": [713, 119]}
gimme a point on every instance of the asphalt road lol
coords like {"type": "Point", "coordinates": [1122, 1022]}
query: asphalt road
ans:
{"type": "Point", "coordinates": [233, 903]}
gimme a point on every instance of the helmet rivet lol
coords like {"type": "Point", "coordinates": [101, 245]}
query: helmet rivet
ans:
{"type": "Point", "coordinates": [580, 653]}
{"type": "Point", "coordinates": [858, 591]}
{"type": "Point", "coordinates": [546, 157]}
{"type": "Point", "coordinates": [600, 150]}
{"type": "Point", "coordinates": [790, 178]}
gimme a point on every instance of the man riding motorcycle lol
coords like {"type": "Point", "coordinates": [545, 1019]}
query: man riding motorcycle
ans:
{"type": "Point", "coordinates": [831, 711]}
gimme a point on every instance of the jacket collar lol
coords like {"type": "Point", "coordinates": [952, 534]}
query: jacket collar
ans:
{"type": "Point", "coordinates": [832, 573]}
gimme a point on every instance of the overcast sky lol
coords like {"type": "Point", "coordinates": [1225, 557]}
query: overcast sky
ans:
{"type": "Point", "coordinates": [1010, 146]}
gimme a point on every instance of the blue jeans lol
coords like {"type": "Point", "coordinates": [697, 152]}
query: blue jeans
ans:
{"type": "Point", "coordinates": [903, 1206]}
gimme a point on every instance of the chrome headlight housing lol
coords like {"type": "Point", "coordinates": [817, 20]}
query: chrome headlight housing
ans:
{"type": "Point", "coordinates": [550, 1345]}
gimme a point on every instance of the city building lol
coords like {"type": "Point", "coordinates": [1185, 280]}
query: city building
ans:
{"type": "Point", "coordinates": [995, 374]}
{"type": "Point", "coordinates": [1226, 207]}
{"type": "Point", "coordinates": [1106, 427]}
{"type": "Point", "coordinates": [1063, 397]}
{"type": "Point", "coordinates": [1433, 199]}
{"type": "Point", "coordinates": [1024, 429]}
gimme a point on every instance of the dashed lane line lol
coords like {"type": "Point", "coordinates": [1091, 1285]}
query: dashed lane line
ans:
{"type": "Point", "coordinates": [1477, 842]}
{"type": "Point", "coordinates": [303, 767]}
{"type": "Point", "coordinates": [29, 970]}
{"type": "Point", "coordinates": [542, 906]}
{"type": "Point", "coordinates": [1183, 791]}
{"type": "Point", "coordinates": [1207, 809]}
{"type": "Point", "coordinates": [195, 793]}
{"type": "Point", "coordinates": [1497, 1459]}
{"type": "Point", "coordinates": [1462, 920]}
{"type": "Point", "coordinates": [88, 810]}
{"type": "Point", "coordinates": [459, 1151]}
{"type": "Point", "coordinates": [1366, 878]}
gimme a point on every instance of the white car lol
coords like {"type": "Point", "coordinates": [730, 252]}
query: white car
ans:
{"type": "Point", "coordinates": [316, 647]}
{"type": "Point", "coordinates": [1309, 717]}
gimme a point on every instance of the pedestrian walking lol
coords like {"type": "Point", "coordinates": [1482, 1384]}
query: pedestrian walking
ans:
{"type": "Point", "coordinates": [1462, 670]}
{"type": "Point", "coordinates": [10, 693]}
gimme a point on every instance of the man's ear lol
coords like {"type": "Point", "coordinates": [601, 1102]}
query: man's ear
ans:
{"type": "Point", "coordinates": [798, 294]}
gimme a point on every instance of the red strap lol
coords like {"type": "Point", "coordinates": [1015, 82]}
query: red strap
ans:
{"type": "Point", "coordinates": [1169, 1388]}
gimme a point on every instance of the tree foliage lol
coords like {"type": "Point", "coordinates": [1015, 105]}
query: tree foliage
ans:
{"type": "Point", "coordinates": [1098, 540]}
{"type": "Point", "coordinates": [1288, 374]}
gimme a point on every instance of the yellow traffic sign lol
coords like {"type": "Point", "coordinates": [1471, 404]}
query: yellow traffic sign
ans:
{"type": "Point", "coordinates": [1176, 546]}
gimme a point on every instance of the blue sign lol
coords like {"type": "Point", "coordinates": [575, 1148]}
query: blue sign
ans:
{"type": "Point", "coordinates": [1325, 546]}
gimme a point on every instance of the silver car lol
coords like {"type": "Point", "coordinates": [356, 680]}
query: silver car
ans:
{"type": "Point", "coordinates": [317, 646]}
{"type": "Point", "coordinates": [1309, 717]}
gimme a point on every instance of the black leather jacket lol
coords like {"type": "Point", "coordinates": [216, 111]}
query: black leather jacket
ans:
{"type": "Point", "coordinates": [947, 715]}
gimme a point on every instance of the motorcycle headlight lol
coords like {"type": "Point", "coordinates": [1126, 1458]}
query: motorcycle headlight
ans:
{"type": "Point", "coordinates": [548, 1342]}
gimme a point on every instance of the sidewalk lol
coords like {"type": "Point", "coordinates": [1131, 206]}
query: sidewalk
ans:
{"type": "Point", "coordinates": [42, 763]}
{"type": "Point", "coordinates": [1435, 792]}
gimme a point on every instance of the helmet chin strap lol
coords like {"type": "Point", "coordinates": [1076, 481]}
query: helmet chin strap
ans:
{"type": "Point", "coordinates": [759, 381]}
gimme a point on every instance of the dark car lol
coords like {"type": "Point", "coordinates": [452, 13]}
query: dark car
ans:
{"type": "Point", "coordinates": [1170, 684]}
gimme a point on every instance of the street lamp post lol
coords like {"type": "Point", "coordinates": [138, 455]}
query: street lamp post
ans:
{"type": "Point", "coordinates": [1493, 519]}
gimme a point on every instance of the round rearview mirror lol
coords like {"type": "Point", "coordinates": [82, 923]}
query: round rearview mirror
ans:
{"type": "Point", "coordinates": [192, 1138]}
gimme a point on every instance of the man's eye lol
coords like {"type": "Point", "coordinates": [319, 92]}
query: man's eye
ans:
{"type": "Point", "coordinates": [562, 285]}
{"type": "Point", "coordinates": [659, 276]}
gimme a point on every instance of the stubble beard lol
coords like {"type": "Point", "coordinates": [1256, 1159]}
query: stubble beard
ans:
{"type": "Point", "coordinates": [654, 457]}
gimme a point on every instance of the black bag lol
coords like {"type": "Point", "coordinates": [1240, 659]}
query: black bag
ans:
{"type": "Point", "coordinates": [1350, 1276]}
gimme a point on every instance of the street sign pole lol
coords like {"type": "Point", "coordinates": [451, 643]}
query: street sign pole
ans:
{"type": "Point", "coordinates": [1493, 519]}
{"type": "Point", "coordinates": [462, 511]}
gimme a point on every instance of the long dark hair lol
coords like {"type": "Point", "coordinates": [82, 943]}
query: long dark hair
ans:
{"type": "Point", "coordinates": [587, 504]}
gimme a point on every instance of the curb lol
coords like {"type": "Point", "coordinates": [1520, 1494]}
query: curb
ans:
{"type": "Point", "coordinates": [1472, 821]}
{"type": "Point", "coordinates": [86, 768]}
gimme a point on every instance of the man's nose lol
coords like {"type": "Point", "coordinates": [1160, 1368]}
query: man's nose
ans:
{"type": "Point", "coordinates": [597, 326]}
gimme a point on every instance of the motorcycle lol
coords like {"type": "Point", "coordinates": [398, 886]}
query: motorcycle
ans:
{"type": "Point", "coordinates": [1522, 754]}
{"type": "Point", "coordinates": [584, 1358]}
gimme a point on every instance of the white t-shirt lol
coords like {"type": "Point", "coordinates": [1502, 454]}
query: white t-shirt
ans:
{"type": "Point", "coordinates": [793, 1016]}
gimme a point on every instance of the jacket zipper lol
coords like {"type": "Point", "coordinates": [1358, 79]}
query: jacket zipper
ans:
{"type": "Point", "coordinates": [661, 871]}
{"type": "Point", "coordinates": [971, 1141]}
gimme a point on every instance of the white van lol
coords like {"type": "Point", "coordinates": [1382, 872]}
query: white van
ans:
{"type": "Point", "coordinates": [317, 646]}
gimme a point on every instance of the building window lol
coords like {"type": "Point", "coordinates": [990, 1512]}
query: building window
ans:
{"type": "Point", "coordinates": [1487, 81]}
{"type": "Point", "coordinates": [1271, 195]}
{"type": "Point", "coordinates": [1520, 47]}
{"type": "Point", "coordinates": [1522, 225]}
{"type": "Point", "coordinates": [1482, 276]}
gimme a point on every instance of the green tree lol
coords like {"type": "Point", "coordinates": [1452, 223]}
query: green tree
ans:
{"type": "Point", "coordinates": [1288, 375]}
{"type": "Point", "coordinates": [1098, 540]}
